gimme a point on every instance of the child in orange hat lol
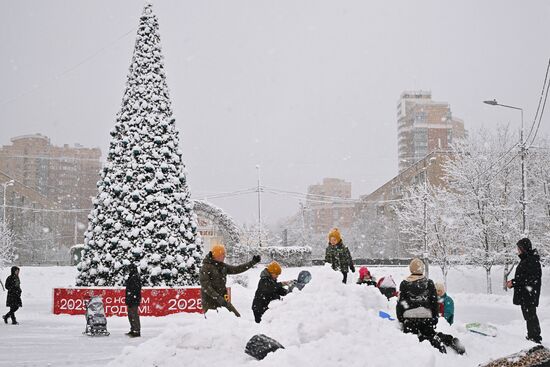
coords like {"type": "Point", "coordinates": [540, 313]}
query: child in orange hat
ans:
{"type": "Point", "coordinates": [338, 255]}
{"type": "Point", "coordinates": [269, 289]}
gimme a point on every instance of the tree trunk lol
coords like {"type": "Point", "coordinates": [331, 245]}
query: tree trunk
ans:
{"type": "Point", "coordinates": [507, 271]}
{"type": "Point", "coordinates": [489, 284]}
{"type": "Point", "coordinates": [505, 277]}
{"type": "Point", "coordinates": [445, 270]}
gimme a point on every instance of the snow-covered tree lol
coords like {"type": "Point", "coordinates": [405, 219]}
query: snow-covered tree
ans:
{"type": "Point", "coordinates": [6, 246]}
{"type": "Point", "coordinates": [484, 178]}
{"type": "Point", "coordinates": [374, 235]}
{"type": "Point", "coordinates": [143, 213]}
{"type": "Point", "coordinates": [538, 197]}
{"type": "Point", "coordinates": [36, 244]}
{"type": "Point", "coordinates": [427, 220]}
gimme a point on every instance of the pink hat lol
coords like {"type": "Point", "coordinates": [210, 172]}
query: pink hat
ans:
{"type": "Point", "coordinates": [363, 271]}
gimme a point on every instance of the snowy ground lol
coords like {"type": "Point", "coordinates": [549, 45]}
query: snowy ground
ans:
{"type": "Point", "coordinates": [327, 324]}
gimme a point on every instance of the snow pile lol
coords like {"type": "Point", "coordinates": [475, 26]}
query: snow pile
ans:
{"type": "Point", "coordinates": [326, 324]}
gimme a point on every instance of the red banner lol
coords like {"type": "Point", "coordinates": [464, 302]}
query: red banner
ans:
{"type": "Point", "coordinates": [154, 301]}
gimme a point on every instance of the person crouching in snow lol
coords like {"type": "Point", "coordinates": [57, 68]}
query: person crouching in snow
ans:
{"type": "Point", "coordinates": [365, 277]}
{"type": "Point", "coordinates": [269, 289]}
{"type": "Point", "coordinates": [338, 255]}
{"type": "Point", "coordinates": [417, 309]}
{"type": "Point", "coordinates": [213, 278]}
{"type": "Point", "coordinates": [386, 286]}
{"type": "Point", "coordinates": [446, 303]}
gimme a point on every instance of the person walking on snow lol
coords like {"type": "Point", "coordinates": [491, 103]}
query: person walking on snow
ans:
{"type": "Point", "coordinates": [133, 299]}
{"type": "Point", "coordinates": [365, 277]}
{"type": "Point", "coordinates": [338, 255]}
{"type": "Point", "coordinates": [269, 289]}
{"type": "Point", "coordinates": [446, 303]}
{"type": "Point", "coordinates": [417, 309]}
{"type": "Point", "coordinates": [213, 278]}
{"type": "Point", "coordinates": [526, 284]}
{"type": "Point", "coordinates": [13, 301]}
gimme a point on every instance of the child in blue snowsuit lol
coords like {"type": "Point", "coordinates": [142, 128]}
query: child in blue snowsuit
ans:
{"type": "Point", "coordinates": [446, 304]}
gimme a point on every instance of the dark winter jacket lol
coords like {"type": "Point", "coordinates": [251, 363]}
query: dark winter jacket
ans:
{"type": "Point", "coordinates": [213, 276]}
{"type": "Point", "coordinates": [133, 289]}
{"type": "Point", "coordinates": [339, 257]}
{"type": "Point", "coordinates": [13, 285]}
{"type": "Point", "coordinates": [527, 280]}
{"type": "Point", "coordinates": [268, 290]}
{"type": "Point", "coordinates": [417, 300]}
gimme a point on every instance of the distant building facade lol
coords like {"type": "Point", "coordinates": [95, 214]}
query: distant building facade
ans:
{"type": "Point", "coordinates": [424, 125]}
{"type": "Point", "coordinates": [328, 205]}
{"type": "Point", "coordinates": [62, 179]}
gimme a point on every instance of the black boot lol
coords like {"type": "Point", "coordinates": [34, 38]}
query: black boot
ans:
{"type": "Point", "coordinates": [457, 346]}
{"type": "Point", "coordinates": [5, 317]}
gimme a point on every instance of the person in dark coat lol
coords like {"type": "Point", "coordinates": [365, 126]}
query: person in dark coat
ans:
{"type": "Point", "coordinates": [213, 277]}
{"type": "Point", "coordinates": [133, 299]}
{"type": "Point", "coordinates": [13, 301]}
{"type": "Point", "coordinates": [268, 290]}
{"type": "Point", "coordinates": [418, 310]}
{"type": "Point", "coordinates": [338, 255]}
{"type": "Point", "coordinates": [526, 284]}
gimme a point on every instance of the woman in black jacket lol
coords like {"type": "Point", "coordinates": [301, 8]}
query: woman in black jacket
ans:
{"type": "Point", "coordinates": [526, 284]}
{"type": "Point", "coordinates": [13, 301]}
{"type": "Point", "coordinates": [268, 290]}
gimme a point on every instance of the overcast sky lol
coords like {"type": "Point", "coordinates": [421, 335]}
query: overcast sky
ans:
{"type": "Point", "coordinates": [306, 89]}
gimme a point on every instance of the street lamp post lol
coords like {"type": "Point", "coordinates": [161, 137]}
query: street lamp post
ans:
{"type": "Point", "coordinates": [523, 152]}
{"type": "Point", "coordinates": [4, 186]}
{"type": "Point", "coordinates": [259, 209]}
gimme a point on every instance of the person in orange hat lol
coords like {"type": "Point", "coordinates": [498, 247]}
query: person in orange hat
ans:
{"type": "Point", "coordinates": [338, 255]}
{"type": "Point", "coordinates": [269, 289]}
{"type": "Point", "coordinates": [213, 277]}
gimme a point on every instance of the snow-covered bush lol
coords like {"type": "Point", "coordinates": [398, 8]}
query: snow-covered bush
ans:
{"type": "Point", "coordinates": [143, 213]}
{"type": "Point", "coordinates": [291, 256]}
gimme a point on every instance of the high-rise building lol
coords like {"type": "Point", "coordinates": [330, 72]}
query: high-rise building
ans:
{"type": "Point", "coordinates": [65, 176]}
{"type": "Point", "coordinates": [423, 126]}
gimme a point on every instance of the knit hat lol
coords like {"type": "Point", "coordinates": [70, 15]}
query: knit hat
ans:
{"type": "Point", "coordinates": [440, 288]}
{"type": "Point", "coordinates": [274, 268]}
{"type": "Point", "coordinates": [335, 232]}
{"type": "Point", "coordinates": [524, 244]}
{"type": "Point", "coordinates": [218, 250]}
{"type": "Point", "coordinates": [363, 272]}
{"type": "Point", "coordinates": [416, 266]}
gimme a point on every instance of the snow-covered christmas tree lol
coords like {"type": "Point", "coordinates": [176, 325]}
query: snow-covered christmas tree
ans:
{"type": "Point", "coordinates": [143, 213]}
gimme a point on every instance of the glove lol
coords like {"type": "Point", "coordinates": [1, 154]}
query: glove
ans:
{"type": "Point", "coordinates": [222, 301]}
{"type": "Point", "coordinates": [256, 259]}
{"type": "Point", "coordinates": [352, 268]}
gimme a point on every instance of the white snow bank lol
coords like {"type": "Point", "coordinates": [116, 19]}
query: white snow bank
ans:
{"type": "Point", "coordinates": [326, 324]}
